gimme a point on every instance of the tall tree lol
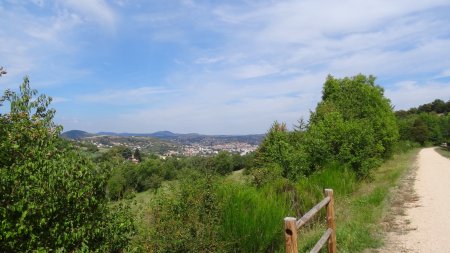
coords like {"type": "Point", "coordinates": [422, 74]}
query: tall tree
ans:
{"type": "Point", "coordinates": [354, 121]}
{"type": "Point", "coordinates": [137, 155]}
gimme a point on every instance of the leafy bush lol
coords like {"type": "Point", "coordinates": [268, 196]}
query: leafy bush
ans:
{"type": "Point", "coordinates": [349, 142]}
{"type": "Point", "coordinates": [263, 176]}
{"type": "Point", "coordinates": [279, 147]}
{"type": "Point", "coordinates": [51, 197]}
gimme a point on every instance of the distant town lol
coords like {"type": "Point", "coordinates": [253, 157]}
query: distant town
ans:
{"type": "Point", "coordinates": [166, 144]}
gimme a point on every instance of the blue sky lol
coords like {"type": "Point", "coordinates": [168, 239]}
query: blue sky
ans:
{"type": "Point", "coordinates": [217, 67]}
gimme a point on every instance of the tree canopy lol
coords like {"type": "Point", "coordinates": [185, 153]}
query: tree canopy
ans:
{"type": "Point", "coordinates": [355, 122]}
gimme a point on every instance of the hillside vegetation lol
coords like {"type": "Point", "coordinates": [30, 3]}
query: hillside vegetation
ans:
{"type": "Point", "coordinates": [59, 197]}
{"type": "Point", "coordinates": [429, 124]}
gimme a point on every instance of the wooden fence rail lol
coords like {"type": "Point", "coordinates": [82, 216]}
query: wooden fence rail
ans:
{"type": "Point", "coordinates": [291, 225]}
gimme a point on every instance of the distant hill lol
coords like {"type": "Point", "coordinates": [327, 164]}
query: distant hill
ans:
{"type": "Point", "coordinates": [160, 134]}
{"type": "Point", "coordinates": [76, 134]}
{"type": "Point", "coordinates": [164, 134]}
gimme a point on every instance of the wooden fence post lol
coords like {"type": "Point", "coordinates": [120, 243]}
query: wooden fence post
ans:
{"type": "Point", "coordinates": [290, 233]}
{"type": "Point", "coordinates": [330, 221]}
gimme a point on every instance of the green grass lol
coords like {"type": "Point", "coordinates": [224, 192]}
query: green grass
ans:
{"type": "Point", "coordinates": [252, 218]}
{"type": "Point", "coordinates": [443, 151]}
{"type": "Point", "coordinates": [359, 214]}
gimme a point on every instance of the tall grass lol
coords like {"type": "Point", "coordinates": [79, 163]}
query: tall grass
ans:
{"type": "Point", "coordinates": [359, 211]}
{"type": "Point", "coordinates": [334, 176]}
{"type": "Point", "coordinates": [252, 219]}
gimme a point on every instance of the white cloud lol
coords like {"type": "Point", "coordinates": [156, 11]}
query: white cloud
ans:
{"type": "Point", "coordinates": [127, 96]}
{"type": "Point", "coordinates": [208, 60]}
{"type": "Point", "coordinates": [254, 70]}
{"type": "Point", "coordinates": [95, 10]}
{"type": "Point", "coordinates": [40, 46]}
{"type": "Point", "coordinates": [407, 94]}
{"type": "Point", "coordinates": [444, 73]}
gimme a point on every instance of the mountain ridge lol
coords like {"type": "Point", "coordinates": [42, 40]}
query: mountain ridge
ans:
{"type": "Point", "coordinates": [159, 134]}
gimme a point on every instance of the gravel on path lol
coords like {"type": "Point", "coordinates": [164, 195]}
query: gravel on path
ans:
{"type": "Point", "coordinates": [428, 221]}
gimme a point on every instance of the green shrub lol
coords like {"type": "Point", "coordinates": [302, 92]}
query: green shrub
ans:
{"type": "Point", "coordinates": [284, 149]}
{"type": "Point", "coordinates": [404, 146]}
{"type": "Point", "coordinates": [51, 197]}
{"type": "Point", "coordinates": [263, 176]}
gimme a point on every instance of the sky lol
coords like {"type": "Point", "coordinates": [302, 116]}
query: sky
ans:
{"type": "Point", "coordinates": [217, 67]}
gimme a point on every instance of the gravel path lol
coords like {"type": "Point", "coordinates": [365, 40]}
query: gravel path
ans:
{"type": "Point", "coordinates": [427, 221]}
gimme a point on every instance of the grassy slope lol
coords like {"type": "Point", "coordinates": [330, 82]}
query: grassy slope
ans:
{"type": "Point", "coordinates": [358, 216]}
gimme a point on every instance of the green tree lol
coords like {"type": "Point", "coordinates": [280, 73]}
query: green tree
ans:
{"type": "Point", "coordinates": [51, 197]}
{"type": "Point", "coordinates": [353, 123]}
{"type": "Point", "coordinates": [285, 149]}
{"type": "Point", "coordinates": [223, 163]}
{"type": "Point", "coordinates": [127, 153]}
{"type": "Point", "coordinates": [420, 131]}
{"type": "Point", "coordinates": [137, 155]}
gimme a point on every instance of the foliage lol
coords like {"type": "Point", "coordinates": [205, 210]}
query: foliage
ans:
{"type": "Point", "coordinates": [116, 153]}
{"type": "Point", "coordinates": [137, 155]}
{"type": "Point", "coordinates": [283, 148]}
{"type": "Point", "coordinates": [128, 178]}
{"type": "Point", "coordinates": [424, 127]}
{"type": "Point", "coordinates": [205, 214]}
{"type": "Point", "coordinates": [223, 163]}
{"type": "Point", "coordinates": [354, 124]}
{"type": "Point", "coordinates": [359, 99]}
{"type": "Point", "coordinates": [263, 176]}
{"type": "Point", "coordinates": [187, 218]}
{"type": "Point", "coordinates": [437, 106]}
{"type": "Point", "coordinates": [52, 197]}
{"type": "Point", "coordinates": [333, 139]}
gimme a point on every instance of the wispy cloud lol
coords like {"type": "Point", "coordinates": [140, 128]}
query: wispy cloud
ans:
{"type": "Point", "coordinates": [57, 100]}
{"type": "Point", "coordinates": [129, 96]}
{"type": "Point", "coordinates": [94, 10]}
{"type": "Point", "coordinates": [444, 73]}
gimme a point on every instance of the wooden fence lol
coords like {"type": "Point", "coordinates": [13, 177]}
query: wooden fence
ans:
{"type": "Point", "coordinates": [291, 225]}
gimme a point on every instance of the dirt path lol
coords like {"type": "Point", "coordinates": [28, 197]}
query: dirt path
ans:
{"type": "Point", "coordinates": [423, 224]}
